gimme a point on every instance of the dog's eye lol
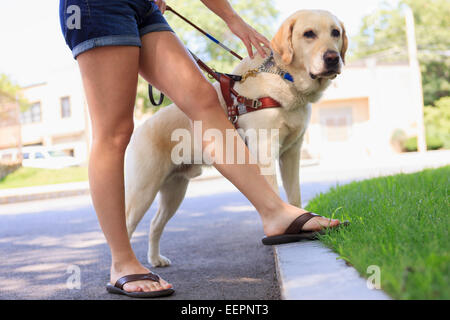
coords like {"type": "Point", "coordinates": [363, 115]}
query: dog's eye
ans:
{"type": "Point", "coordinates": [309, 34]}
{"type": "Point", "coordinates": [335, 33]}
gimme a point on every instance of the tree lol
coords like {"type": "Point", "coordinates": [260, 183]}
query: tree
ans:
{"type": "Point", "coordinates": [11, 92]}
{"type": "Point", "coordinates": [262, 17]}
{"type": "Point", "coordinates": [383, 35]}
{"type": "Point", "coordinates": [12, 102]}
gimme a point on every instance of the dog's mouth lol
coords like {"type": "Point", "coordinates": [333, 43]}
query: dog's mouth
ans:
{"type": "Point", "coordinates": [329, 74]}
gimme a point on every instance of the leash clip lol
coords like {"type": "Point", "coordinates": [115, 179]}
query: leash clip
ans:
{"type": "Point", "coordinates": [233, 119]}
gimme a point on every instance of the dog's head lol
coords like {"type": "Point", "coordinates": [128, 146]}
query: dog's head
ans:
{"type": "Point", "coordinates": [313, 41]}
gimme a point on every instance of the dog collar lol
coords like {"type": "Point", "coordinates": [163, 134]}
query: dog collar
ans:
{"type": "Point", "coordinates": [270, 66]}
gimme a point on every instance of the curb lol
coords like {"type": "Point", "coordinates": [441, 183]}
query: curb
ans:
{"type": "Point", "coordinates": [308, 270]}
{"type": "Point", "coordinates": [60, 191]}
{"type": "Point", "coordinates": [43, 192]}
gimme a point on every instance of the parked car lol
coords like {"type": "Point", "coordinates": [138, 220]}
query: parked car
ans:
{"type": "Point", "coordinates": [41, 157]}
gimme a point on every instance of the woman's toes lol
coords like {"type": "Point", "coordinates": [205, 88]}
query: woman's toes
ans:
{"type": "Point", "coordinates": [165, 284]}
{"type": "Point", "coordinates": [131, 288]}
{"type": "Point", "coordinates": [157, 286]}
{"type": "Point", "coordinates": [147, 287]}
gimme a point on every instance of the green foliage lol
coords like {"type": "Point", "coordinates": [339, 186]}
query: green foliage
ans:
{"type": "Point", "coordinates": [383, 35]}
{"type": "Point", "coordinates": [398, 140]}
{"type": "Point", "coordinates": [399, 223]}
{"type": "Point", "coordinates": [437, 121]}
{"type": "Point", "coordinates": [11, 92]}
{"type": "Point", "coordinates": [262, 17]}
{"type": "Point", "coordinates": [433, 143]}
{"type": "Point", "coordinates": [437, 127]}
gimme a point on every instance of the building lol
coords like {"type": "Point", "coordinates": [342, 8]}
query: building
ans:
{"type": "Point", "coordinates": [57, 117]}
{"type": "Point", "coordinates": [362, 110]}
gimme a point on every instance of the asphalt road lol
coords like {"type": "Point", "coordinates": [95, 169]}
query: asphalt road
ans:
{"type": "Point", "coordinates": [213, 243]}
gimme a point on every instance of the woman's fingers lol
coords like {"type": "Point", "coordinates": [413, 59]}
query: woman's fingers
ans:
{"type": "Point", "coordinates": [264, 40]}
{"type": "Point", "coordinates": [257, 44]}
{"type": "Point", "coordinates": [161, 5]}
{"type": "Point", "coordinates": [248, 45]}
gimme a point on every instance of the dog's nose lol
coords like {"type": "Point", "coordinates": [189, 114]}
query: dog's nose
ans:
{"type": "Point", "coordinates": [331, 58]}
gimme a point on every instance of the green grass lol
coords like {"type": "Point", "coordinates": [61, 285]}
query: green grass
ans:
{"type": "Point", "coordinates": [399, 223]}
{"type": "Point", "coordinates": [28, 177]}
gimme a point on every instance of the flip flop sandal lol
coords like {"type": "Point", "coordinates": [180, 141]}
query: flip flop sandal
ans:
{"type": "Point", "coordinates": [118, 287]}
{"type": "Point", "coordinates": [295, 233]}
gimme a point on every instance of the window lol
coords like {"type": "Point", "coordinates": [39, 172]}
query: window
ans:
{"type": "Point", "coordinates": [337, 129]}
{"type": "Point", "coordinates": [336, 124]}
{"type": "Point", "coordinates": [65, 107]}
{"type": "Point", "coordinates": [32, 114]}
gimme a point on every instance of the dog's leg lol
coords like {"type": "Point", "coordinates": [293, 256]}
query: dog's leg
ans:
{"type": "Point", "coordinates": [290, 172]}
{"type": "Point", "coordinates": [266, 152]}
{"type": "Point", "coordinates": [138, 200]}
{"type": "Point", "coordinates": [142, 183]}
{"type": "Point", "coordinates": [171, 194]}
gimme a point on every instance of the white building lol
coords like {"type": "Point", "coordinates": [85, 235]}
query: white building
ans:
{"type": "Point", "coordinates": [57, 118]}
{"type": "Point", "coordinates": [361, 110]}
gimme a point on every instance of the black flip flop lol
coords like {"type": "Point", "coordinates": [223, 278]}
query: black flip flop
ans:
{"type": "Point", "coordinates": [294, 232]}
{"type": "Point", "coordinates": [117, 288]}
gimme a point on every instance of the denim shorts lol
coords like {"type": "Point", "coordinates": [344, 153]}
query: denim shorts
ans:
{"type": "Point", "coordinates": [87, 24]}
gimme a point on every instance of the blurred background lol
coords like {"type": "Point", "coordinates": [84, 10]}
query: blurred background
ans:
{"type": "Point", "coordinates": [392, 97]}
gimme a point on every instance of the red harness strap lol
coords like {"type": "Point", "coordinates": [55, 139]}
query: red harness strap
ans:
{"type": "Point", "coordinates": [246, 105]}
{"type": "Point", "coordinates": [243, 105]}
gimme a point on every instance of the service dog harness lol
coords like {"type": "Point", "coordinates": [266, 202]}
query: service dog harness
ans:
{"type": "Point", "coordinates": [237, 104]}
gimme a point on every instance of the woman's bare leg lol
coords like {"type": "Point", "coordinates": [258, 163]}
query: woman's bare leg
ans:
{"type": "Point", "coordinates": [166, 64]}
{"type": "Point", "coordinates": [110, 78]}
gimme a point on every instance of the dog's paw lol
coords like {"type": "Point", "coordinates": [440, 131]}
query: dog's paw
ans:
{"type": "Point", "coordinates": [159, 261]}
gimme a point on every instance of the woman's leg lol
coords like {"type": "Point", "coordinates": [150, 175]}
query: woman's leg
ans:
{"type": "Point", "coordinates": [110, 78]}
{"type": "Point", "coordinates": [166, 64]}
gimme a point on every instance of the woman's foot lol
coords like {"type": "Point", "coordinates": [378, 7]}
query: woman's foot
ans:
{"type": "Point", "coordinates": [276, 224]}
{"type": "Point", "coordinates": [119, 270]}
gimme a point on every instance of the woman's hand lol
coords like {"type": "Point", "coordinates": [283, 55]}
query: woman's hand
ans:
{"type": "Point", "coordinates": [161, 5]}
{"type": "Point", "coordinates": [249, 36]}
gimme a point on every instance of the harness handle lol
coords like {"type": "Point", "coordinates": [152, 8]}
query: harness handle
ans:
{"type": "Point", "coordinates": [152, 100]}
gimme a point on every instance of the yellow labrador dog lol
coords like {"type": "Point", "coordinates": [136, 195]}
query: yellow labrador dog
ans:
{"type": "Point", "coordinates": [310, 46]}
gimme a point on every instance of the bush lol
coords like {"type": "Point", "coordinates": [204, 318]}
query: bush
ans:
{"type": "Point", "coordinates": [437, 127]}
{"type": "Point", "coordinates": [437, 122]}
{"type": "Point", "coordinates": [433, 143]}
{"type": "Point", "coordinates": [398, 140]}
{"type": "Point", "coordinates": [6, 169]}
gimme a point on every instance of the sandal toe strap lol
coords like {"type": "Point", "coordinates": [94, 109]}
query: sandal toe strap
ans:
{"type": "Point", "coordinates": [135, 277]}
{"type": "Point", "coordinates": [297, 225]}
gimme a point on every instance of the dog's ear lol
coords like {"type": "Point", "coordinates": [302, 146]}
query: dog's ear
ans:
{"type": "Point", "coordinates": [282, 42]}
{"type": "Point", "coordinates": [344, 42]}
